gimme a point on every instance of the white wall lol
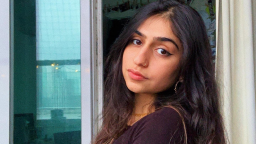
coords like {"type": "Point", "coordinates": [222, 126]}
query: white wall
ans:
{"type": "Point", "coordinates": [86, 95]}
{"type": "Point", "coordinates": [4, 71]}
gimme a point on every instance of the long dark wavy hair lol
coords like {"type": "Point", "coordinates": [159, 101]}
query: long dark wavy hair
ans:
{"type": "Point", "coordinates": [197, 98]}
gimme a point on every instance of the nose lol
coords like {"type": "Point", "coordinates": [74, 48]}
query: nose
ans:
{"type": "Point", "coordinates": [142, 57]}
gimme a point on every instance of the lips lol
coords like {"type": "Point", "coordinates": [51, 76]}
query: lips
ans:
{"type": "Point", "coordinates": [135, 75]}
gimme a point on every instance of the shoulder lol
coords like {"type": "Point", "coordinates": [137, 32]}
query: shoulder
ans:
{"type": "Point", "coordinates": [165, 119]}
{"type": "Point", "coordinates": [166, 114]}
{"type": "Point", "coordinates": [164, 125]}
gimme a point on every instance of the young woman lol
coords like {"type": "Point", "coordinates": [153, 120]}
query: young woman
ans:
{"type": "Point", "coordinates": [160, 86]}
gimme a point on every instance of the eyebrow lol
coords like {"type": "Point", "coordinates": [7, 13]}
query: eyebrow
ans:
{"type": "Point", "coordinates": [162, 39]}
{"type": "Point", "coordinates": [139, 33]}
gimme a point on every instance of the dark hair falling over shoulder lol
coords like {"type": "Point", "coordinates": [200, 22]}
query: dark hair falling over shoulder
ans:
{"type": "Point", "coordinates": [197, 98]}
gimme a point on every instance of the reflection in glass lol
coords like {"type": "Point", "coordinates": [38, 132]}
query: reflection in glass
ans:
{"type": "Point", "coordinates": [47, 89]}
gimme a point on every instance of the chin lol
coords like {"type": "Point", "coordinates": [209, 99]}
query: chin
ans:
{"type": "Point", "coordinates": [135, 89]}
{"type": "Point", "coordinates": [140, 90]}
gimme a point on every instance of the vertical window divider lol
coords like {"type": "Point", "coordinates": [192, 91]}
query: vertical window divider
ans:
{"type": "Point", "coordinates": [97, 64]}
{"type": "Point", "coordinates": [11, 73]}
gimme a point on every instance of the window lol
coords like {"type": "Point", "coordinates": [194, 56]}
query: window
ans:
{"type": "Point", "coordinates": [47, 73]}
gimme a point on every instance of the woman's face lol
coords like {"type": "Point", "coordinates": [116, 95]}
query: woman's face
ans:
{"type": "Point", "coordinates": [151, 59]}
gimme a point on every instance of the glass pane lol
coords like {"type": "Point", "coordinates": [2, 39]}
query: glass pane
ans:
{"type": "Point", "coordinates": [47, 78]}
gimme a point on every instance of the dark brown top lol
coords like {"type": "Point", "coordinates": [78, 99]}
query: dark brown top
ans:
{"type": "Point", "coordinates": [163, 126]}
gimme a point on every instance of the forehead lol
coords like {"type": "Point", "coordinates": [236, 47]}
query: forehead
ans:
{"type": "Point", "coordinates": [157, 26]}
{"type": "Point", "coordinates": [156, 23]}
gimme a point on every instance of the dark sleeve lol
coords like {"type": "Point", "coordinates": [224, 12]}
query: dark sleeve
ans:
{"type": "Point", "coordinates": [163, 128]}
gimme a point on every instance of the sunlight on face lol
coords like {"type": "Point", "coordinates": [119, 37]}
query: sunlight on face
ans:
{"type": "Point", "coordinates": [151, 59]}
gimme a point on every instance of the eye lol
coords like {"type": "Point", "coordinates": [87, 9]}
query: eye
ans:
{"type": "Point", "coordinates": [136, 42]}
{"type": "Point", "coordinates": [163, 52]}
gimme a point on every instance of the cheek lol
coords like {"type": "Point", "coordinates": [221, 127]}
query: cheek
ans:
{"type": "Point", "coordinates": [125, 60]}
{"type": "Point", "coordinates": [127, 57]}
{"type": "Point", "coordinates": [173, 77]}
{"type": "Point", "coordinates": [166, 77]}
{"type": "Point", "coordinates": [169, 78]}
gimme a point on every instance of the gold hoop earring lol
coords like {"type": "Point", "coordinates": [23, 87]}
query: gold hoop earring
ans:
{"type": "Point", "coordinates": [175, 88]}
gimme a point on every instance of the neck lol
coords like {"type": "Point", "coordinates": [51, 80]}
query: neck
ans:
{"type": "Point", "coordinates": [143, 104]}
